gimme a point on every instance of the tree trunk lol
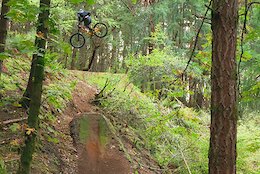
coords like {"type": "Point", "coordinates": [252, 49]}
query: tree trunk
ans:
{"type": "Point", "coordinates": [199, 95]}
{"type": "Point", "coordinates": [116, 62]}
{"type": "Point", "coordinates": [66, 60]}
{"type": "Point", "coordinates": [82, 57]}
{"type": "Point", "coordinates": [181, 26]}
{"type": "Point", "coordinates": [3, 29]}
{"type": "Point", "coordinates": [113, 51]}
{"type": "Point", "coordinates": [36, 93]}
{"type": "Point", "coordinates": [25, 100]}
{"type": "Point", "coordinates": [94, 63]}
{"type": "Point", "coordinates": [223, 130]}
{"type": "Point", "coordinates": [92, 57]}
{"type": "Point", "coordinates": [152, 30]}
{"type": "Point", "coordinates": [73, 58]}
{"type": "Point", "coordinates": [101, 62]}
{"type": "Point", "coordinates": [125, 52]}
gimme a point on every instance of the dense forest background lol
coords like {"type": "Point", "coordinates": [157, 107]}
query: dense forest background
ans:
{"type": "Point", "coordinates": [164, 47]}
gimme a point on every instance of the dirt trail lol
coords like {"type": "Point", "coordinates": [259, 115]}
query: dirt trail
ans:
{"type": "Point", "coordinates": [98, 152]}
{"type": "Point", "coordinates": [97, 157]}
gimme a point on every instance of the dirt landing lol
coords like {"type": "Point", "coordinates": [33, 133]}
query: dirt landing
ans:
{"type": "Point", "coordinates": [100, 154]}
{"type": "Point", "coordinates": [97, 151]}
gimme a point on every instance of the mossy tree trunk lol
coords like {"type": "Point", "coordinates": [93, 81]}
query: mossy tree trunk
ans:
{"type": "Point", "coordinates": [25, 100]}
{"type": "Point", "coordinates": [36, 92]}
{"type": "Point", "coordinates": [3, 28]}
{"type": "Point", "coordinates": [223, 130]}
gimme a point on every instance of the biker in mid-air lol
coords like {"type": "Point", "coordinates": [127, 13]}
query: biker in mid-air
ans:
{"type": "Point", "coordinates": [84, 16]}
{"type": "Point", "coordinates": [100, 30]}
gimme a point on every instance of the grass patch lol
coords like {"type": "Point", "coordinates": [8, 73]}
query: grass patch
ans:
{"type": "Point", "coordinates": [103, 131]}
{"type": "Point", "coordinates": [84, 129]}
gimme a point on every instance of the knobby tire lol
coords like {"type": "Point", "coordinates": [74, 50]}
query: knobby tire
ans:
{"type": "Point", "coordinates": [79, 38]}
{"type": "Point", "coordinates": [101, 26]}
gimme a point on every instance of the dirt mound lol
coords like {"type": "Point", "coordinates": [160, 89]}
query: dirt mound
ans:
{"type": "Point", "coordinates": [97, 151]}
{"type": "Point", "coordinates": [100, 147]}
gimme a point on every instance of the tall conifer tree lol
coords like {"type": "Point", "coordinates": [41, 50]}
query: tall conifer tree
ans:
{"type": "Point", "coordinates": [223, 130]}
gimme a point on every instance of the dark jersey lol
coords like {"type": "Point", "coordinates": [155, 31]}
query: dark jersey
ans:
{"type": "Point", "coordinates": [83, 14]}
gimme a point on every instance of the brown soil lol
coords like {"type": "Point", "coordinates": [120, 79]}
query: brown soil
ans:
{"type": "Point", "coordinates": [93, 158]}
{"type": "Point", "coordinates": [80, 103]}
{"type": "Point", "coordinates": [96, 158]}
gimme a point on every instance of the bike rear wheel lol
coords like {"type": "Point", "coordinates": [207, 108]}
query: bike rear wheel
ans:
{"type": "Point", "coordinates": [77, 40]}
{"type": "Point", "coordinates": [100, 30]}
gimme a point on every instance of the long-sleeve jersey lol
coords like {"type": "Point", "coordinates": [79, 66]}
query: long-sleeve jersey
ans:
{"type": "Point", "coordinates": [82, 15]}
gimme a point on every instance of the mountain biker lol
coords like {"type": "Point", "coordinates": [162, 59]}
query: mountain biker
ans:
{"type": "Point", "coordinates": [84, 16]}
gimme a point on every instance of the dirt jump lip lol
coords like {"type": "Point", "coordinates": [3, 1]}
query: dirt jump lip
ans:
{"type": "Point", "coordinates": [98, 152]}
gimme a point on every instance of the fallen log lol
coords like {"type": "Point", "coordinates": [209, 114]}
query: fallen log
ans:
{"type": "Point", "coordinates": [13, 121]}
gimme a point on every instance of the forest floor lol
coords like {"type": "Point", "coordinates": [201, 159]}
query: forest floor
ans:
{"type": "Point", "coordinates": [87, 142]}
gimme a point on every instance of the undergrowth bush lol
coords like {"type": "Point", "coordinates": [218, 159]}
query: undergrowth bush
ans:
{"type": "Point", "coordinates": [13, 79]}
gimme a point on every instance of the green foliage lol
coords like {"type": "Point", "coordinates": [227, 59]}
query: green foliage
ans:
{"type": "Point", "coordinates": [159, 37]}
{"type": "Point", "coordinates": [90, 2]}
{"type": "Point", "coordinates": [11, 80]}
{"type": "Point", "coordinates": [49, 133]}
{"type": "Point", "coordinates": [4, 55]}
{"type": "Point", "coordinates": [2, 167]}
{"type": "Point", "coordinates": [158, 71]}
{"type": "Point", "coordinates": [134, 1]}
{"type": "Point", "coordinates": [15, 127]}
{"type": "Point", "coordinates": [84, 129]}
{"type": "Point", "coordinates": [164, 125]}
{"type": "Point", "coordinates": [21, 43]}
{"type": "Point", "coordinates": [179, 132]}
{"type": "Point", "coordinates": [249, 66]}
{"type": "Point", "coordinates": [59, 92]}
{"type": "Point", "coordinates": [248, 145]}
{"type": "Point", "coordinates": [23, 11]}
{"type": "Point", "coordinates": [62, 18]}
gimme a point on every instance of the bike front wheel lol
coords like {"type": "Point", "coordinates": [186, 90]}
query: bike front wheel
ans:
{"type": "Point", "coordinates": [100, 30]}
{"type": "Point", "coordinates": [77, 40]}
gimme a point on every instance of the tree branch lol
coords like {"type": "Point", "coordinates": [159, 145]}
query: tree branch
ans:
{"type": "Point", "coordinates": [208, 6]}
{"type": "Point", "coordinates": [242, 47]}
{"type": "Point", "coordinates": [244, 31]}
{"type": "Point", "coordinates": [133, 13]}
{"type": "Point", "coordinates": [103, 89]}
{"type": "Point", "coordinates": [252, 3]}
{"type": "Point", "coordinates": [201, 17]}
{"type": "Point", "coordinates": [13, 121]}
{"type": "Point", "coordinates": [197, 38]}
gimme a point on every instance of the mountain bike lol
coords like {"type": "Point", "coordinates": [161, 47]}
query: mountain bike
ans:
{"type": "Point", "coordinates": [78, 40]}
